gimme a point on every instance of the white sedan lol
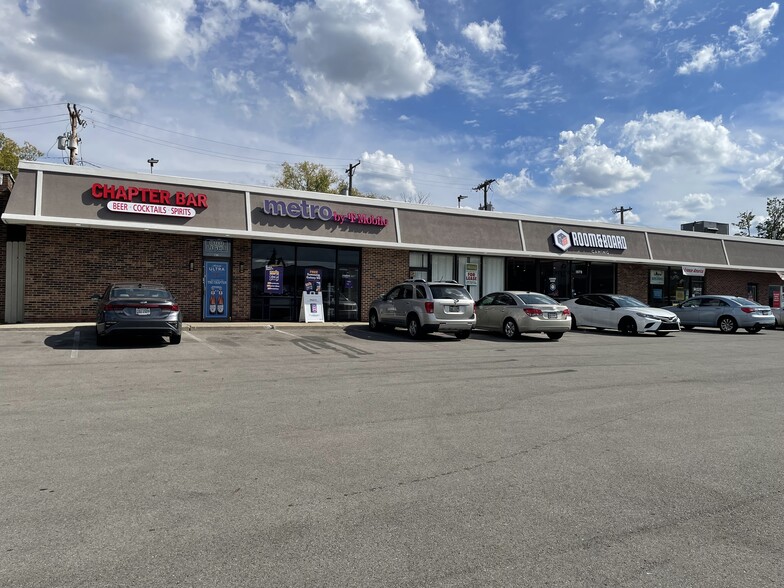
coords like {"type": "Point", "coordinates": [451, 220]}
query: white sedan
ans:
{"type": "Point", "coordinates": [623, 313]}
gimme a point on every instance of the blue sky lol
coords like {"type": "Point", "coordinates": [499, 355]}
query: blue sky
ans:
{"type": "Point", "coordinates": [672, 108]}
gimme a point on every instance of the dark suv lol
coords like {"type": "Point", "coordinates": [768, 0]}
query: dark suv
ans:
{"type": "Point", "coordinates": [425, 307]}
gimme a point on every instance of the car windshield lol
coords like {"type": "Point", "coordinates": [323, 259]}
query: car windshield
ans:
{"type": "Point", "coordinates": [536, 299]}
{"type": "Point", "coordinates": [452, 292]}
{"type": "Point", "coordinates": [628, 302]}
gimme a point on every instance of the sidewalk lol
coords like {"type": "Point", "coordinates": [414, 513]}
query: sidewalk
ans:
{"type": "Point", "coordinates": [187, 326]}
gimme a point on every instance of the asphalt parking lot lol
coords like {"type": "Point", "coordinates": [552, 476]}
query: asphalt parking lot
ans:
{"type": "Point", "coordinates": [333, 456]}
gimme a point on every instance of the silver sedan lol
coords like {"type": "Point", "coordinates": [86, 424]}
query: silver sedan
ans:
{"type": "Point", "coordinates": [513, 312]}
{"type": "Point", "coordinates": [727, 313]}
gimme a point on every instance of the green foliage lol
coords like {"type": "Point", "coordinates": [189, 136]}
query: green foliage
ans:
{"type": "Point", "coordinates": [773, 226]}
{"type": "Point", "coordinates": [744, 223]}
{"type": "Point", "coordinates": [308, 176]}
{"type": "Point", "coordinates": [11, 153]}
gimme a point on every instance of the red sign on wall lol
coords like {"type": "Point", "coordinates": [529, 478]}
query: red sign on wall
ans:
{"type": "Point", "coordinates": [149, 200]}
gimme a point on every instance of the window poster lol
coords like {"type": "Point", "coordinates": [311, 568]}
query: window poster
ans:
{"type": "Point", "coordinates": [471, 274]}
{"type": "Point", "coordinates": [313, 280]}
{"type": "Point", "coordinates": [216, 290]}
{"type": "Point", "coordinates": [273, 279]}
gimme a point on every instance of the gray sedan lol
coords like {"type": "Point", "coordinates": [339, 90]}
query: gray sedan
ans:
{"type": "Point", "coordinates": [515, 312]}
{"type": "Point", "coordinates": [727, 313]}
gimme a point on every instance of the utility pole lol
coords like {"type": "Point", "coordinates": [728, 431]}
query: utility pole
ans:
{"type": "Point", "coordinates": [484, 186]}
{"type": "Point", "coordinates": [73, 139]}
{"type": "Point", "coordinates": [621, 209]}
{"type": "Point", "coordinates": [350, 172]}
{"type": "Point", "coordinates": [460, 198]}
{"type": "Point", "coordinates": [152, 161]}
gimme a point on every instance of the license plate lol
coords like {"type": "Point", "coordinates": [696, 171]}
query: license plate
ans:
{"type": "Point", "coordinates": [552, 315]}
{"type": "Point", "coordinates": [454, 309]}
{"type": "Point", "coordinates": [142, 311]}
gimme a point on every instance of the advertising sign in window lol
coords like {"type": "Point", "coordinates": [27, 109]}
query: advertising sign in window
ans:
{"type": "Point", "coordinates": [471, 274]}
{"type": "Point", "coordinates": [273, 279]}
{"type": "Point", "coordinates": [216, 290]}
{"type": "Point", "coordinates": [313, 280]}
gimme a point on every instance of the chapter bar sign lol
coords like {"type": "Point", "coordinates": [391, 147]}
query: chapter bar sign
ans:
{"type": "Point", "coordinates": [157, 209]}
{"type": "Point", "coordinates": [140, 200]}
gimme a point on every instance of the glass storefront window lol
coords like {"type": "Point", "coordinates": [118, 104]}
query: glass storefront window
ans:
{"type": "Point", "coordinates": [602, 277]}
{"type": "Point", "coordinates": [520, 275]}
{"type": "Point", "coordinates": [280, 273]}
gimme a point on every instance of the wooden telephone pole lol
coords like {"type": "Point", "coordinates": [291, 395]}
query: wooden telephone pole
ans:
{"type": "Point", "coordinates": [484, 186]}
{"type": "Point", "coordinates": [73, 138]}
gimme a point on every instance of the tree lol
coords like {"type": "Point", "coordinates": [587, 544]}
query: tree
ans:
{"type": "Point", "coordinates": [418, 198]}
{"type": "Point", "coordinates": [773, 226]}
{"type": "Point", "coordinates": [308, 176]}
{"type": "Point", "coordinates": [744, 223]}
{"type": "Point", "coordinates": [11, 153]}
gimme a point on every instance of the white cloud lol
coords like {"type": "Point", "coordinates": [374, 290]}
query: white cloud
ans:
{"type": "Point", "coordinates": [745, 43]}
{"type": "Point", "coordinates": [669, 138]}
{"type": "Point", "coordinates": [487, 36]}
{"type": "Point", "coordinates": [456, 68]}
{"type": "Point", "coordinates": [690, 207]}
{"type": "Point", "coordinates": [12, 90]}
{"type": "Point", "coordinates": [349, 51]}
{"type": "Point", "coordinates": [228, 83]}
{"type": "Point", "coordinates": [589, 168]}
{"type": "Point", "coordinates": [768, 179]}
{"type": "Point", "coordinates": [515, 185]}
{"type": "Point", "coordinates": [530, 89]}
{"type": "Point", "coordinates": [384, 175]}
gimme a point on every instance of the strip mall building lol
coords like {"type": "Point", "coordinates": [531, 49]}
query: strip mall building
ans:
{"type": "Point", "coordinates": [246, 253]}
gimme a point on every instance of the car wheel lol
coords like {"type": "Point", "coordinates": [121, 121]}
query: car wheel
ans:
{"type": "Point", "coordinates": [510, 329]}
{"type": "Point", "coordinates": [414, 328]}
{"type": "Point", "coordinates": [373, 323]}
{"type": "Point", "coordinates": [754, 329]}
{"type": "Point", "coordinates": [727, 324]}
{"type": "Point", "coordinates": [574, 323]}
{"type": "Point", "coordinates": [555, 336]}
{"type": "Point", "coordinates": [688, 327]}
{"type": "Point", "coordinates": [627, 326]}
{"type": "Point", "coordinates": [101, 340]}
{"type": "Point", "coordinates": [463, 334]}
{"type": "Point", "coordinates": [175, 339]}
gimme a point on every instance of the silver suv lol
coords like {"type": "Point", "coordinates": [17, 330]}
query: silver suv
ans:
{"type": "Point", "coordinates": [425, 307]}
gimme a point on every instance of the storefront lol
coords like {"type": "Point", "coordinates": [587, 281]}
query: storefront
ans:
{"type": "Point", "coordinates": [249, 253]}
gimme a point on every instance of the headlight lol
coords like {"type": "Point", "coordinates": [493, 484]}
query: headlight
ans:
{"type": "Point", "coordinates": [648, 316]}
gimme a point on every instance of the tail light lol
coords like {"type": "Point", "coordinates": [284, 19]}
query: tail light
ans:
{"type": "Point", "coordinates": [474, 308]}
{"type": "Point", "coordinates": [748, 309]}
{"type": "Point", "coordinates": [172, 308]}
{"type": "Point", "coordinates": [429, 308]}
{"type": "Point", "coordinates": [533, 312]}
{"type": "Point", "coordinates": [113, 307]}
{"type": "Point", "coordinates": [566, 312]}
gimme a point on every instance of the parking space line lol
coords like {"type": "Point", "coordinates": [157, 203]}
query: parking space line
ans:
{"type": "Point", "coordinates": [75, 350]}
{"type": "Point", "coordinates": [285, 333]}
{"type": "Point", "coordinates": [195, 338]}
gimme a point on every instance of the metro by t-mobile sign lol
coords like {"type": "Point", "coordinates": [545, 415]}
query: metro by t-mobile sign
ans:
{"type": "Point", "coordinates": [136, 200]}
{"type": "Point", "coordinates": [308, 211]}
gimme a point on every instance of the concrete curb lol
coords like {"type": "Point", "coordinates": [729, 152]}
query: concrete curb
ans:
{"type": "Point", "coordinates": [185, 326]}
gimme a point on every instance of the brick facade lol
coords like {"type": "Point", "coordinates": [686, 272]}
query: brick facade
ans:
{"type": "Point", "coordinates": [736, 283]}
{"type": "Point", "coordinates": [632, 280]}
{"type": "Point", "coordinates": [65, 266]}
{"type": "Point", "coordinates": [381, 269]}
